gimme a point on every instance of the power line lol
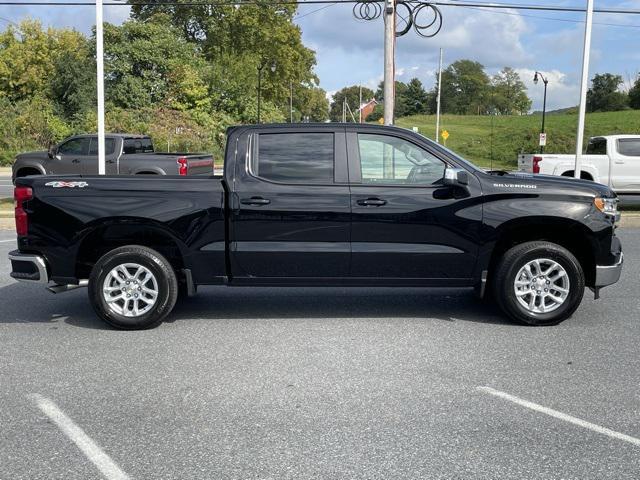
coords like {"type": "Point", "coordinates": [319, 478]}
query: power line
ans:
{"type": "Point", "coordinates": [221, 3]}
{"type": "Point", "coordinates": [298, 17]}
{"type": "Point", "coordinates": [567, 20]}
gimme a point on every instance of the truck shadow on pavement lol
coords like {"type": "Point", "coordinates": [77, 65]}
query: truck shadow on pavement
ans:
{"type": "Point", "coordinates": [32, 304]}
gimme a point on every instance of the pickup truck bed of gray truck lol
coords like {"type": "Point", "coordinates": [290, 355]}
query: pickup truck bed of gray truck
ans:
{"type": "Point", "coordinates": [125, 155]}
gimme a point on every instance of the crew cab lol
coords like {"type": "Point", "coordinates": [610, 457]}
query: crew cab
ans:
{"type": "Point", "coordinates": [125, 154]}
{"type": "Point", "coordinates": [612, 160]}
{"type": "Point", "coordinates": [319, 205]}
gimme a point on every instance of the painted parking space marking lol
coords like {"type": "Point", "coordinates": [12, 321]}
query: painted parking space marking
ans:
{"type": "Point", "coordinates": [561, 416]}
{"type": "Point", "coordinates": [7, 241]}
{"type": "Point", "coordinates": [91, 450]}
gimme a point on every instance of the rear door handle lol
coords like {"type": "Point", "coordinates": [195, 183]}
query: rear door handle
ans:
{"type": "Point", "coordinates": [75, 160]}
{"type": "Point", "coordinates": [257, 201]}
{"type": "Point", "coordinates": [372, 202]}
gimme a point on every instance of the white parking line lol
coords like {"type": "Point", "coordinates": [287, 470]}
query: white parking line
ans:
{"type": "Point", "coordinates": [7, 241]}
{"type": "Point", "coordinates": [92, 451]}
{"type": "Point", "coordinates": [561, 416]}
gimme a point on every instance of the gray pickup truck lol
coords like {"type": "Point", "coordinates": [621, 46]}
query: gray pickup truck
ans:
{"type": "Point", "coordinates": [125, 154]}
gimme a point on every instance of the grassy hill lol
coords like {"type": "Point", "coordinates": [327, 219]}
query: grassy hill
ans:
{"type": "Point", "coordinates": [472, 137]}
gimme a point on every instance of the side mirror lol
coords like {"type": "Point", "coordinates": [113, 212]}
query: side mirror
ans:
{"type": "Point", "coordinates": [455, 177]}
{"type": "Point", "coordinates": [53, 150]}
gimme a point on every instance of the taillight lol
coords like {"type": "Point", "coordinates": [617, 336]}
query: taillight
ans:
{"type": "Point", "coordinates": [536, 164]}
{"type": "Point", "coordinates": [183, 166]}
{"type": "Point", "coordinates": [20, 195]}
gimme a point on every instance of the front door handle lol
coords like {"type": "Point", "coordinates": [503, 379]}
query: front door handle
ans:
{"type": "Point", "coordinates": [257, 201]}
{"type": "Point", "coordinates": [372, 202]}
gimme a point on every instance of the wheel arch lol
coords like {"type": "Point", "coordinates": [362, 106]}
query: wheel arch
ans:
{"type": "Point", "coordinates": [568, 233]}
{"type": "Point", "coordinates": [106, 236]}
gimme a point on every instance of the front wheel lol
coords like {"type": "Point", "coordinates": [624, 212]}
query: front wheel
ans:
{"type": "Point", "coordinates": [539, 283]}
{"type": "Point", "coordinates": [133, 288]}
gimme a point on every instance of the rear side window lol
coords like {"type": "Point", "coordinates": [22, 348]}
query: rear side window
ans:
{"type": "Point", "coordinates": [137, 145]}
{"type": "Point", "coordinates": [109, 146]}
{"type": "Point", "coordinates": [306, 158]}
{"type": "Point", "coordinates": [629, 147]}
{"type": "Point", "coordinates": [597, 146]}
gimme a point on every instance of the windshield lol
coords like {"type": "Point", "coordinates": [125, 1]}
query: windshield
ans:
{"type": "Point", "coordinates": [454, 155]}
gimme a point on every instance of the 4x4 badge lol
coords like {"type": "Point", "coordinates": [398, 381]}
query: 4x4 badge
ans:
{"type": "Point", "coordinates": [66, 184]}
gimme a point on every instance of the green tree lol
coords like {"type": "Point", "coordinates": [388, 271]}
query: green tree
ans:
{"type": "Point", "coordinates": [246, 36]}
{"type": "Point", "coordinates": [403, 103]}
{"type": "Point", "coordinates": [604, 96]}
{"type": "Point", "coordinates": [416, 98]}
{"type": "Point", "coordinates": [28, 58]}
{"type": "Point", "coordinates": [509, 94]}
{"type": "Point", "coordinates": [634, 95]}
{"type": "Point", "coordinates": [73, 83]}
{"type": "Point", "coordinates": [466, 88]}
{"type": "Point", "coordinates": [152, 64]}
{"type": "Point", "coordinates": [352, 95]}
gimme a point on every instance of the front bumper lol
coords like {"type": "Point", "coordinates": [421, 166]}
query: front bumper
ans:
{"type": "Point", "coordinates": [609, 274]}
{"type": "Point", "coordinates": [28, 268]}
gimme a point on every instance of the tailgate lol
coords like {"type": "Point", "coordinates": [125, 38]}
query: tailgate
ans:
{"type": "Point", "coordinates": [525, 163]}
{"type": "Point", "coordinates": [200, 164]}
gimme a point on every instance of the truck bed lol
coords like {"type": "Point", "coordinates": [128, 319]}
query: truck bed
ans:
{"type": "Point", "coordinates": [189, 210]}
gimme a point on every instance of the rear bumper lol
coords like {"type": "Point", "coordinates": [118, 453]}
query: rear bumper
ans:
{"type": "Point", "coordinates": [609, 274]}
{"type": "Point", "coordinates": [28, 268]}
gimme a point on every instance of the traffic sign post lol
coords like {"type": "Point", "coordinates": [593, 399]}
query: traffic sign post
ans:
{"type": "Point", "coordinates": [543, 140]}
{"type": "Point", "coordinates": [445, 136]}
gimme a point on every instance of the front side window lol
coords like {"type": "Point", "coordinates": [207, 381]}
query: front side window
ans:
{"type": "Point", "coordinates": [394, 161]}
{"type": "Point", "coordinates": [629, 147]}
{"type": "Point", "coordinates": [75, 146]}
{"type": "Point", "coordinates": [306, 158]}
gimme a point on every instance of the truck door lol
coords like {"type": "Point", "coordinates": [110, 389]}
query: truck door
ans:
{"type": "Point", "coordinates": [90, 165]}
{"type": "Point", "coordinates": [290, 205]}
{"type": "Point", "coordinates": [406, 223]}
{"type": "Point", "coordinates": [626, 165]}
{"type": "Point", "coordinates": [71, 154]}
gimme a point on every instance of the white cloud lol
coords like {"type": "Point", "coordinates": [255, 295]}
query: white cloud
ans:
{"type": "Point", "coordinates": [562, 91]}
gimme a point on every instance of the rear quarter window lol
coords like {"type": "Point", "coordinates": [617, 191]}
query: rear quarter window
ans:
{"type": "Point", "coordinates": [137, 145]}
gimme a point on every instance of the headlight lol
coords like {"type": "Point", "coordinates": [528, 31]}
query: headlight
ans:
{"type": "Point", "coordinates": [608, 206]}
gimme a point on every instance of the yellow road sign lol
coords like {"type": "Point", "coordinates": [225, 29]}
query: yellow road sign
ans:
{"type": "Point", "coordinates": [381, 121]}
{"type": "Point", "coordinates": [445, 134]}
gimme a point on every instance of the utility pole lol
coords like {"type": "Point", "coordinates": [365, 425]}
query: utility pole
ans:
{"type": "Point", "coordinates": [389, 60]}
{"type": "Point", "coordinates": [583, 88]}
{"type": "Point", "coordinates": [360, 106]}
{"type": "Point", "coordinates": [291, 101]}
{"type": "Point", "coordinates": [100, 82]}
{"type": "Point", "coordinates": [438, 100]}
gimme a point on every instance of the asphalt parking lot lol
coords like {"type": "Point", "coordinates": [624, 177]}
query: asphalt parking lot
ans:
{"type": "Point", "coordinates": [298, 383]}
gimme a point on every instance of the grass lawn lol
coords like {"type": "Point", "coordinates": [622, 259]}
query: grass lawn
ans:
{"type": "Point", "coordinates": [498, 140]}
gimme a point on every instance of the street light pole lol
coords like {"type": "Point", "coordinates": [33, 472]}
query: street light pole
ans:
{"type": "Point", "coordinates": [260, 68]}
{"type": "Point", "coordinates": [544, 101]}
{"type": "Point", "coordinates": [100, 86]}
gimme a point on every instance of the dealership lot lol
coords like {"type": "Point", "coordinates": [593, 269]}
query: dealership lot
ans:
{"type": "Point", "coordinates": [320, 383]}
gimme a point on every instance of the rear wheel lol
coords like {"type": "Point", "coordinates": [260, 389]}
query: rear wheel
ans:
{"type": "Point", "coordinates": [133, 288]}
{"type": "Point", "coordinates": [539, 283]}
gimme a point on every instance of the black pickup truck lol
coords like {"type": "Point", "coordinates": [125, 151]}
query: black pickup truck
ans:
{"type": "Point", "coordinates": [330, 204]}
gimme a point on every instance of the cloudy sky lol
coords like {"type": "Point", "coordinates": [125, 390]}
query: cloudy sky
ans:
{"type": "Point", "coordinates": [350, 51]}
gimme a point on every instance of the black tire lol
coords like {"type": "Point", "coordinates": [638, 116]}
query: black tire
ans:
{"type": "Point", "coordinates": [510, 265]}
{"type": "Point", "coordinates": [162, 273]}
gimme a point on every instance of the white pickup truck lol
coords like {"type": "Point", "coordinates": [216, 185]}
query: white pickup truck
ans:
{"type": "Point", "coordinates": [612, 160]}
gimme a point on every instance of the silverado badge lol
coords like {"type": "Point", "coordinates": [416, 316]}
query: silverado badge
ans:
{"type": "Point", "coordinates": [66, 184]}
